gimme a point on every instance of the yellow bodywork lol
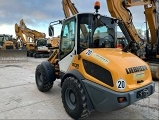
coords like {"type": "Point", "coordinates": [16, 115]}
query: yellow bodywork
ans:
{"type": "Point", "coordinates": [115, 61]}
{"type": "Point", "coordinates": [8, 44]}
{"type": "Point", "coordinates": [30, 46]}
{"type": "Point", "coordinates": [54, 41]}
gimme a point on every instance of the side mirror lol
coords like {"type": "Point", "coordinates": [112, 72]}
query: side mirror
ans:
{"type": "Point", "coordinates": [51, 30]}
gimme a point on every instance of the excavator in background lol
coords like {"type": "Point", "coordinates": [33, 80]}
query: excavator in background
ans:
{"type": "Point", "coordinates": [147, 50]}
{"type": "Point", "coordinates": [94, 74]}
{"type": "Point", "coordinates": [35, 42]}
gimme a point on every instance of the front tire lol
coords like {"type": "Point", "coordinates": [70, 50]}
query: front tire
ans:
{"type": "Point", "coordinates": [45, 76]}
{"type": "Point", "coordinates": [74, 99]}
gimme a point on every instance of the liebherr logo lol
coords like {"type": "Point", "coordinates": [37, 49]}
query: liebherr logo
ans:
{"type": "Point", "coordinates": [136, 69]}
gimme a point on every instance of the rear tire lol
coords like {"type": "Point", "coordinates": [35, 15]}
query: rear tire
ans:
{"type": "Point", "coordinates": [74, 98]}
{"type": "Point", "coordinates": [45, 76]}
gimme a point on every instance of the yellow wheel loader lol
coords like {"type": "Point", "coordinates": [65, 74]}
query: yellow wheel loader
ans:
{"type": "Point", "coordinates": [6, 42]}
{"type": "Point", "coordinates": [9, 49]}
{"type": "Point", "coordinates": [94, 74]}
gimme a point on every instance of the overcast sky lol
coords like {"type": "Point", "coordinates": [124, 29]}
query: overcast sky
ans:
{"type": "Point", "coordinates": [37, 14]}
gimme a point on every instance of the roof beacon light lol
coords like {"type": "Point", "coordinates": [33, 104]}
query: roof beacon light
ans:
{"type": "Point", "coordinates": [97, 6]}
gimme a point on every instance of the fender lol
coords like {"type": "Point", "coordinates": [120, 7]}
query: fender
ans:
{"type": "Point", "coordinates": [49, 69]}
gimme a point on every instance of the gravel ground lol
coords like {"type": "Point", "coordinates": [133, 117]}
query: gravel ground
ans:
{"type": "Point", "coordinates": [20, 98]}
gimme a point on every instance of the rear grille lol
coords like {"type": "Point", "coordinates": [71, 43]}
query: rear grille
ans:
{"type": "Point", "coordinates": [98, 72]}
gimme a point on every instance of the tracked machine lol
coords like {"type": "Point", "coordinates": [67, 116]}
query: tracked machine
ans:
{"type": "Point", "coordinates": [33, 41]}
{"type": "Point", "coordinates": [94, 74]}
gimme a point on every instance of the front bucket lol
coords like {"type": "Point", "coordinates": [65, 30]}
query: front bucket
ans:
{"type": "Point", "coordinates": [13, 56]}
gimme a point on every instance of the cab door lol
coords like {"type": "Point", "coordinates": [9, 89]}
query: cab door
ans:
{"type": "Point", "coordinates": [67, 44]}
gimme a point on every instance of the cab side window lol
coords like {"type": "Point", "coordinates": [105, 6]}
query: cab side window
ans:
{"type": "Point", "coordinates": [67, 38]}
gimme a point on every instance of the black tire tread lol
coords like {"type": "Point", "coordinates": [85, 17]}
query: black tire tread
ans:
{"type": "Point", "coordinates": [85, 112]}
{"type": "Point", "coordinates": [46, 85]}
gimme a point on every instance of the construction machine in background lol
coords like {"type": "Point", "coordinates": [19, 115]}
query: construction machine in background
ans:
{"type": "Point", "coordinates": [9, 49]}
{"type": "Point", "coordinates": [147, 50]}
{"type": "Point", "coordinates": [54, 42]}
{"type": "Point", "coordinates": [34, 41]}
{"type": "Point", "coordinates": [6, 42]}
{"type": "Point", "coordinates": [121, 42]}
{"type": "Point", "coordinates": [94, 74]}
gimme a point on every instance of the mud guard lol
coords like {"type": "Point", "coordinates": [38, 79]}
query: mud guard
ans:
{"type": "Point", "coordinates": [49, 71]}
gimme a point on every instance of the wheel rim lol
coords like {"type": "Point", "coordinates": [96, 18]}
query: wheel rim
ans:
{"type": "Point", "coordinates": [39, 78]}
{"type": "Point", "coordinates": [70, 99]}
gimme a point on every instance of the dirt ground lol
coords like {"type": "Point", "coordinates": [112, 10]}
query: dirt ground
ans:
{"type": "Point", "coordinates": [20, 98]}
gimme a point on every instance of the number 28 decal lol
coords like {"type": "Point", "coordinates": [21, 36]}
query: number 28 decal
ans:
{"type": "Point", "coordinates": [121, 84]}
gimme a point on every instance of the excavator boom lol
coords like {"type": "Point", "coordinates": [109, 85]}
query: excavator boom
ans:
{"type": "Point", "coordinates": [117, 10]}
{"type": "Point", "coordinates": [68, 7]}
{"type": "Point", "coordinates": [36, 34]}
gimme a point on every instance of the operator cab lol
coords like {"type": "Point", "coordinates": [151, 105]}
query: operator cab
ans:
{"type": "Point", "coordinates": [41, 42]}
{"type": "Point", "coordinates": [100, 31]}
{"type": "Point", "coordinates": [89, 31]}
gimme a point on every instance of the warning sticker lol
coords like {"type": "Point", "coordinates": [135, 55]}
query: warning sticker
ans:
{"type": "Point", "coordinates": [139, 75]}
{"type": "Point", "coordinates": [100, 58]}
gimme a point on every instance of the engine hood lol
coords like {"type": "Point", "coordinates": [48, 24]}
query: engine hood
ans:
{"type": "Point", "coordinates": [124, 67]}
{"type": "Point", "coordinates": [8, 42]}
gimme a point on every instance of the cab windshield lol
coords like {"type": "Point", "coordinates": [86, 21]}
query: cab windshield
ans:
{"type": "Point", "coordinates": [96, 33]}
{"type": "Point", "coordinates": [4, 38]}
{"type": "Point", "coordinates": [41, 42]}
